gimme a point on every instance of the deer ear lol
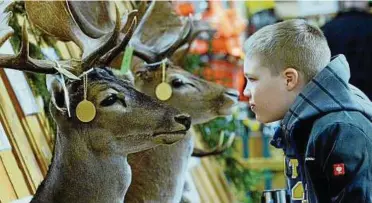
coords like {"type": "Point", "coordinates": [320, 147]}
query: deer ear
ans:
{"type": "Point", "coordinates": [55, 88]}
{"type": "Point", "coordinates": [179, 56]}
{"type": "Point", "coordinates": [139, 70]}
{"type": "Point", "coordinates": [128, 76]}
{"type": "Point", "coordinates": [137, 63]}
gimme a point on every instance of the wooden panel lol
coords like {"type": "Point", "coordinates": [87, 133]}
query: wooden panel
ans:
{"type": "Point", "coordinates": [47, 130]}
{"type": "Point", "coordinates": [222, 181]}
{"type": "Point", "coordinates": [31, 128]}
{"type": "Point", "coordinates": [18, 138]}
{"type": "Point", "coordinates": [215, 174]}
{"type": "Point", "coordinates": [37, 138]}
{"type": "Point", "coordinates": [199, 185]}
{"type": "Point", "coordinates": [213, 178]}
{"type": "Point", "coordinates": [7, 191]}
{"type": "Point", "coordinates": [14, 174]}
{"type": "Point", "coordinates": [204, 186]}
{"type": "Point", "coordinates": [255, 145]}
{"type": "Point", "coordinates": [274, 164]}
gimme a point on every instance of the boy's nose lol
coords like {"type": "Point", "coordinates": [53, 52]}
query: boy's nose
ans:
{"type": "Point", "coordinates": [247, 92]}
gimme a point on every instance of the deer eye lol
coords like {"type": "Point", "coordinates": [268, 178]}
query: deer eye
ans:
{"type": "Point", "coordinates": [176, 83]}
{"type": "Point", "coordinates": [110, 100]}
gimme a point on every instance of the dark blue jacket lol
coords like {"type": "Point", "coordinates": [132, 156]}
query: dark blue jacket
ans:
{"type": "Point", "coordinates": [327, 139]}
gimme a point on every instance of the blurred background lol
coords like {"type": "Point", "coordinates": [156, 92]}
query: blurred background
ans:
{"type": "Point", "coordinates": [250, 165]}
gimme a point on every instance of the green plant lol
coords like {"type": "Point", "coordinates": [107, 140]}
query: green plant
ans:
{"type": "Point", "coordinates": [243, 180]}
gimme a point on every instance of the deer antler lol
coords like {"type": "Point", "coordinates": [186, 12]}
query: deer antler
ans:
{"type": "Point", "coordinates": [92, 17]}
{"type": "Point", "coordinates": [159, 33]}
{"type": "Point", "coordinates": [21, 61]}
{"type": "Point", "coordinates": [162, 34]}
{"type": "Point", "coordinates": [219, 149]}
{"type": "Point", "coordinates": [123, 39]}
{"type": "Point", "coordinates": [198, 26]}
{"type": "Point", "coordinates": [55, 18]}
{"type": "Point", "coordinates": [76, 21]}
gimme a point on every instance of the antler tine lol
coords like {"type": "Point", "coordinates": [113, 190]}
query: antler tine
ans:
{"type": "Point", "coordinates": [100, 45]}
{"type": "Point", "coordinates": [199, 27]}
{"type": "Point", "coordinates": [141, 50]}
{"type": "Point", "coordinates": [71, 28]}
{"type": "Point", "coordinates": [150, 56]}
{"type": "Point", "coordinates": [159, 33]}
{"type": "Point", "coordinates": [181, 40]}
{"type": "Point", "coordinates": [23, 62]}
{"type": "Point", "coordinates": [217, 150]}
{"type": "Point", "coordinates": [129, 27]}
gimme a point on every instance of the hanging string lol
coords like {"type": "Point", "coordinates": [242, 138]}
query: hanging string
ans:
{"type": "Point", "coordinates": [85, 80]}
{"type": "Point", "coordinates": [163, 71]}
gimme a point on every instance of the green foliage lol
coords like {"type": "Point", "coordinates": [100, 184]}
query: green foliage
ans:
{"type": "Point", "coordinates": [243, 179]}
{"type": "Point", "coordinates": [193, 64]}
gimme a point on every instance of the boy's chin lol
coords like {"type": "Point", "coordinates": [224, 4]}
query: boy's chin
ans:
{"type": "Point", "coordinates": [265, 120]}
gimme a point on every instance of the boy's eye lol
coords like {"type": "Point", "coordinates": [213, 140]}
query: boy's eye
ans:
{"type": "Point", "coordinates": [251, 79]}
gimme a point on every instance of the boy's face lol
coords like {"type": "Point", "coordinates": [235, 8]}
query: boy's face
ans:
{"type": "Point", "coordinates": [269, 95]}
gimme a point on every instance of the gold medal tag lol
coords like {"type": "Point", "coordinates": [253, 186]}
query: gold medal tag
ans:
{"type": "Point", "coordinates": [85, 110]}
{"type": "Point", "coordinates": [163, 91]}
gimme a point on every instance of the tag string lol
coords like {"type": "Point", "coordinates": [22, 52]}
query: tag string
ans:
{"type": "Point", "coordinates": [163, 71]}
{"type": "Point", "coordinates": [85, 80]}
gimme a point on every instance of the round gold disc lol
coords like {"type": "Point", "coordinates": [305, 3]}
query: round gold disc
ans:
{"type": "Point", "coordinates": [85, 111]}
{"type": "Point", "coordinates": [163, 91]}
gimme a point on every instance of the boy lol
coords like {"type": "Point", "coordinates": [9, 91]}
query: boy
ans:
{"type": "Point", "coordinates": [326, 124]}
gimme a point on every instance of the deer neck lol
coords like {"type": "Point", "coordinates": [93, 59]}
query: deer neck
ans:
{"type": "Point", "coordinates": [159, 173]}
{"type": "Point", "coordinates": [78, 174]}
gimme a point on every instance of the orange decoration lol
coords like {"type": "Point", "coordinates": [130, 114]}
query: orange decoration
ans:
{"type": "Point", "coordinates": [184, 8]}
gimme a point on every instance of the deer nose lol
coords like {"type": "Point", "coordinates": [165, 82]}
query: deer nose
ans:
{"type": "Point", "coordinates": [183, 119]}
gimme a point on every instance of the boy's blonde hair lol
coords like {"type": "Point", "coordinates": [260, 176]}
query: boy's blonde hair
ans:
{"type": "Point", "coordinates": [290, 44]}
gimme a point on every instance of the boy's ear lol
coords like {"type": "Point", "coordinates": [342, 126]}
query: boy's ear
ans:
{"type": "Point", "coordinates": [291, 77]}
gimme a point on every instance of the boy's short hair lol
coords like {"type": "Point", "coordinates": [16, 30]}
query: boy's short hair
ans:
{"type": "Point", "coordinates": [290, 44]}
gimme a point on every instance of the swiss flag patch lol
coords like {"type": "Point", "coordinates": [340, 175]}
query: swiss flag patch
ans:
{"type": "Point", "coordinates": [338, 169]}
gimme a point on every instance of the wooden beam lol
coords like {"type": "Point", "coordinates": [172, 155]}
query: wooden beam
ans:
{"type": "Point", "coordinates": [18, 138]}
{"type": "Point", "coordinates": [260, 163]}
{"type": "Point", "coordinates": [14, 174]}
{"type": "Point", "coordinates": [7, 190]}
{"type": "Point", "coordinates": [39, 142]}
